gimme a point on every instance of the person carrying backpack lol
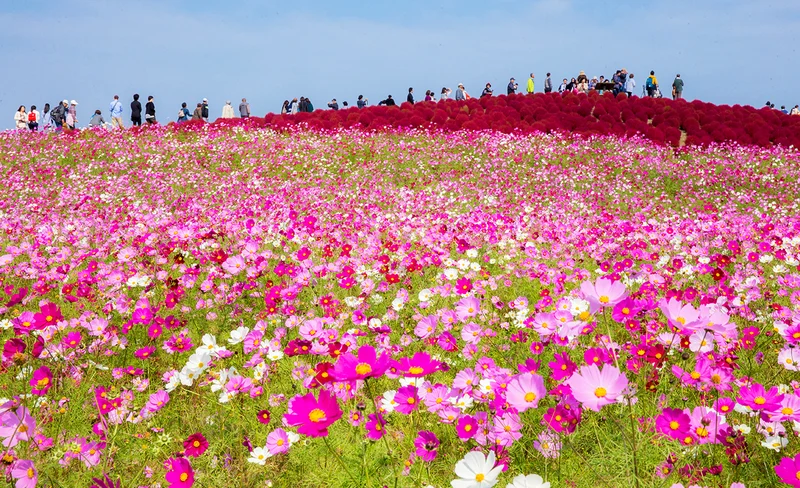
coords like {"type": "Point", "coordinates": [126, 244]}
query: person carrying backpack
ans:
{"type": "Point", "coordinates": [183, 113]}
{"type": "Point", "coordinates": [33, 119]}
{"type": "Point", "coordinates": [651, 84]}
{"type": "Point", "coordinates": [59, 114]}
{"type": "Point", "coordinates": [205, 109]}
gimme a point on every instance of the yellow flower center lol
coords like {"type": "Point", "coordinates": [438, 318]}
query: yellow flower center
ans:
{"type": "Point", "coordinates": [468, 427]}
{"type": "Point", "coordinates": [279, 442]}
{"type": "Point", "coordinates": [530, 396]}
{"type": "Point", "coordinates": [787, 411]}
{"type": "Point", "coordinates": [29, 472]}
{"type": "Point", "coordinates": [674, 425]}
{"type": "Point", "coordinates": [196, 443]}
{"type": "Point", "coordinates": [760, 400]}
{"type": "Point", "coordinates": [695, 375]}
{"type": "Point", "coordinates": [411, 400]}
{"type": "Point", "coordinates": [49, 318]}
{"type": "Point", "coordinates": [184, 476]}
{"type": "Point", "coordinates": [681, 320]}
{"type": "Point", "coordinates": [415, 370]}
{"type": "Point", "coordinates": [479, 477]}
{"type": "Point", "coordinates": [626, 311]}
{"type": "Point", "coordinates": [600, 392]}
{"type": "Point", "coordinates": [363, 368]}
{"type": "Point", "coordinates": [702, 432]}
{"type": "Point", "coordinates": [603, 299]}
{"type": "Point", "coordinates": [22, 428]}
{"type": "Point", "coordinates": [316, 415]}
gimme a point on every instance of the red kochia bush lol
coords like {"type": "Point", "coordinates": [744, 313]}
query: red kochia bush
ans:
{"type": "Point", "coordinates": [661, 120]}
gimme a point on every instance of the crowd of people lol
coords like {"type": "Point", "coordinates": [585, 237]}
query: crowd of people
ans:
{"type": "Point", "coordinates": [64, 115]}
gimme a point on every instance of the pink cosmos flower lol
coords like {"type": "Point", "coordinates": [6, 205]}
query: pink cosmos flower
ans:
{"type": "Point", "coordinates": [463, 286]}
{"type": "Point", "coordinates": [678, 315]}
{"type": "Point", "coordinates": [25, 473]}
{"type": "Point", "coordinates": [366, 364]}
{"type": "Point", "coordinates": [467, 308]}
{"type": "Point", "coordinates": [195, 445]}
{"type": "Point", "coordinates": [407, 399]}
{"type": "Point", "coordinates": [604, 292]}
{"type": "Point", "coordinates": [49, 314]}
{"type": "Point", "coordinates": [41, 381]}
{"type": "Point", "coordinates": [313, 416]}
{"type": "Point", "coordinates": [375, 426]}
{"type": "Point", "coordinates": [278, 442]}
{"type": "Point", "coordinates": [419, 365]}
{"type": "Point", "coordinates": [466, 427]}
{"type": "Point", "coordinates": [157, 401]}
{"type": "Point", "coordinates": [757, 398]}
{"type": "Point", "coordinates": [234, 265]}
{"type": "Point", "coordinates": [71, 340]}
{"type": "Point", "coordinates": [144, 352]}
{"type": "Point", "coordinates": [525, 391]}
{"type": "Point", "coordinates": [16, 426]}
{"type": "Point", "coordinates": [674, 423]}
{"type": "Point", "coordinates": [595, 388]}
{"type": "Point", "coordinates": [427, 444]}
{"type": "Point", "coordinates": [180, 474]}
{"type": "Point", "coordinates": [788, 470]}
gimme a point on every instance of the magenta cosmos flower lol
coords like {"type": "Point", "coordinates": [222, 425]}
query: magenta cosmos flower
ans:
{"type": "Point", "coordinates": [195, 445]}
{"type": "Point", "coordinates": [25, 473]}
{"type": "Point", "coordinates": [427, 444]}
{"type": "Point", "coordinates": [525, 391]}
{"type": "Point", "coordinates": [595, 388]}
{"type": "Point", "coordinates": [407, 399]}
{"type": "Point", "coordinates": [788, 470]}
{"type": "Point", "coordinates": [604, 292]}
{"type": "Point", "coordinates": [420, 365]}
{"type": "Point", "coordinates": [180, 474]}
{"type": "Point", "coordinates": [313, 416]}
{"type": "Point", "coordinates": [41, 381]}
{"type": "Point", "coordinates": [674, 423]}
{"type": "Point", "coordinates": [366, 364]}
{"type": "Point", "coordinates": [757, 398]}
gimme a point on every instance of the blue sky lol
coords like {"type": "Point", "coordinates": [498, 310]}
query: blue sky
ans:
{"type": "Point", "coordinates": [727, 51]}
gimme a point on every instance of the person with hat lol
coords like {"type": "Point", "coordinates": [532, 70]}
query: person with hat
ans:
{"type": "Point", "coordinates": [227, 111]}
{"type": "Point", "coordinates": [205, 109]}
{"type": "Point", "coordinates": [116, 113]}
{"type": "Point", "coordinates": [150, 110]}
{"type": "Point", "coordinates": [72, 115]}
{"type": "Point", "coordinates": [531, 86]}
{"type": "Point", "coordinates": [461, 93]}
{"type": "Point", "coordinates": [487, 91]}
{"type": "Point", "coordinates": [512, 87]}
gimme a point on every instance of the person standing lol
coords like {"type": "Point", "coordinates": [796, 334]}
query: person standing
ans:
{"type": "Point", "coordinates": [116, 113]}
{"type": "Point", "coordinates": [136, 111]}
{"type": "Point", "coordinates": [150, 110]}
{"type": "Point", "coordinates": [227, 111]}
{"type": "Point", "coordinates": [548, 84]}
{"type": "Point", "coordinates": [72, 115]}
{"type": "Point", "coordinates": [445, 95]}
{"type": "Point", "coordinates": [512, 87]}
{"type": "Point", "coordinates": [205, 109]}
{"type": "Point", "coordinates": [630, 85]}
{"type": "Point", "coordinates": [183, 113]}
{"type": "Point", "coordinates": [410, 97]}
{"type": "Point", "coordinates": [244, 109]}
{"type": "Point", "coordinates": [59, 114]}
{"type": "Point", "coordinates": [47, 119]}
{"type": "Point", "coordinates": [795, 110]}
{"type": "Point", "coordinates": [333, 105]}
{"type": "Point", "coordinates": [677, 87]}
{"type": "Point", "coordinates": [651, 84]}
{"type": "Point", "coordinates": [531, 86]}
{"type": "Point", "coordinates": [198, 112]}
{"type": "Point", "coordinates": [487, 91]}
{"type": "Point", "coordinates": [461, 94]}
{"type": "Point", "coordinates": [362, 102]}
{"type": "Point", "coordinates": [21, 118]}
{"type": "Point", "coordinates": [33, 119]}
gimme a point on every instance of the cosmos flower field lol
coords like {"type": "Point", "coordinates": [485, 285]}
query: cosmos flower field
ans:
{"type": "Point", "coordinates": [239, 306]}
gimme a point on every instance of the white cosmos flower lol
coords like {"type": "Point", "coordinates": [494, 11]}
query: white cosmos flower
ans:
{"type": "Point", "coordinates": [275, 355]}
{"type": "Point", "coordinates": [293, 438]}
{"type": "Point", "coordinates": [451, 273]}
{"type": "Point", "coordinates": [259, 456]}
{"type": "Point", "coordinates": [530, 481]}
{"type": "Point", "coordinates": [425, 295]}
{"type": "Point", "coordinates": [198, 362]}
{"type": "Point", "coordinates": [472, 253]}
{"type": "Point", "coordinates": [774, 442]}
{"type": "Point", "coordinates": [210, 344]}
{"type": "Point", "coordinates": [476, 471]}
{"type": "Point", "coordinates": [238, 335]}
{"type": "Point", "coordinates": [387, 402]}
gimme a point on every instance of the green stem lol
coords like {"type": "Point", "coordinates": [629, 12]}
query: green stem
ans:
{"type": "Point", "coordinates": [386, 442]}
{"type": "Point", "coordinates": [341, 461]}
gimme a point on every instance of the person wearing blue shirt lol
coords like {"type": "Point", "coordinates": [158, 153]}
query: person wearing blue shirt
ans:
{"type": "Point", "coordinates": [183, 113]}
{"type": "Point", "coordinates": [116, 113]}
